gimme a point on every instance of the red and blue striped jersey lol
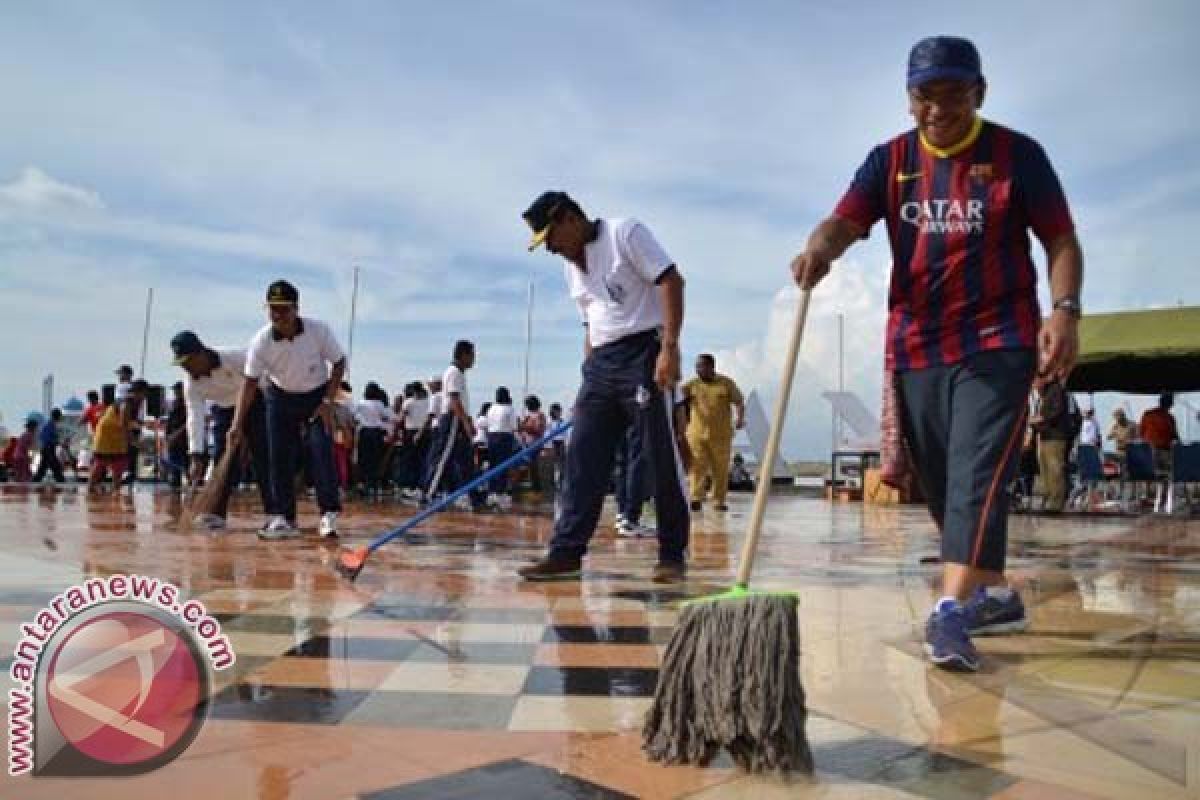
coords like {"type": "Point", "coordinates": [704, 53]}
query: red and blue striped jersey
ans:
{"type": "Point", "coordinates": [963, 277]}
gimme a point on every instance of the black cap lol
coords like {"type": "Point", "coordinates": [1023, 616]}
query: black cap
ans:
{"type": "Point", "coordinates": [125, 369]}
{"type": "Point", "coordinates": [184, 344]}
{"type": "Point", "coordinates": [282, 293]}
{"type": "Point", "coordinates": [943, 58]}
{"type": "Point", "coordinates": [541, 214]}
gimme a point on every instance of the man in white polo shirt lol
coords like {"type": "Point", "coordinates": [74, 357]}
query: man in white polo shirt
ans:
{"type": "Point", "coordinates": [303, 365]}
{"type": "Point", "coordinates": [214, 379]}
{"type": "Point", "coordinates": [630, 296]}
{"type": "Point", "coordinates": [453, 455]}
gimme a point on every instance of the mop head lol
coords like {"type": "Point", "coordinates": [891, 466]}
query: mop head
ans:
{"type": "Point", "coordinates": [351, 562]}
{"type": "Point", "coordinates": [730, 680]}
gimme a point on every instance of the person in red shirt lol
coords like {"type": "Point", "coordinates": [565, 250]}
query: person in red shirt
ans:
{"type": "Point", "coordinates": [93, 412]}
{"type": "Point", "coordinates": [1157, 427]}
{"type": "Point", "coordinates": [959, 196]}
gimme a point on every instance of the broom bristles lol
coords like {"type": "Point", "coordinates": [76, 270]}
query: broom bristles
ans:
{"type": "Point", "coordinates": [207, 500]}
{"type": "Point", "coordinates": [730, 680]}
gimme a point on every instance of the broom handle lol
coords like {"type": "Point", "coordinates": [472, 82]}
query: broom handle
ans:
{"type": "Point", "coordinates": [767, 468]}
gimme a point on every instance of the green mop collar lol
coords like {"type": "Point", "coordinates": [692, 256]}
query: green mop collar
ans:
{"type": "Point", "coordinates": [736, 593]}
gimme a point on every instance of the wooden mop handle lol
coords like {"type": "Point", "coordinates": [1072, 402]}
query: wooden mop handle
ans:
{"type": "Point", "coordinates": [766, 469]}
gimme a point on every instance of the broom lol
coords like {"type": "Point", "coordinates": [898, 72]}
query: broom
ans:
{"type": "Point", "coordinates": [730, 677]}
{"type": "Point", "coordinates": [208, 499]}
{"type": "Point", "coordinates": [351, 562]}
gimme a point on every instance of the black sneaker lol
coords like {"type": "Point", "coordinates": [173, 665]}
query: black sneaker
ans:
{"type": "Point", "coordinates": [552, 568]}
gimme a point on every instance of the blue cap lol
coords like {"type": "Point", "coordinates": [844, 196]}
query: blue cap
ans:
{"type": "Point", "coordinates": [943, 58]}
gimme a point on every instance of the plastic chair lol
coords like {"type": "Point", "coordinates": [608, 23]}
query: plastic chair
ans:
{"type": "Point", "coordinates": [1139, 467]}
{"type": "Point", "coordinates": [1185, 469]}
{"type": "Point", "coordinates": [1090, 465]}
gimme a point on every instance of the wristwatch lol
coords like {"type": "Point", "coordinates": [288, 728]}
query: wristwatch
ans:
{"type": "Point", "coordinates": [1069, 304]}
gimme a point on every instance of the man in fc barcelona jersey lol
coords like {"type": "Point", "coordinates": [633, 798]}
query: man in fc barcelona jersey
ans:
{"type": "Point", "coordinates": [959, 195]}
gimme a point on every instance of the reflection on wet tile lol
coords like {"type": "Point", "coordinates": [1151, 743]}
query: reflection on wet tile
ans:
{"type": "Point", "coordinates": [504, 780]}
{"type": "Point", "coordinates": [473, 652]}
{"type": "Point", "coordinates": [457, 678]}
{"type": "Point", "coordinates": [354, 647]}
{"type": "Point", "coordinates": [606, 655]}
{"type": "Point", "coordinates": [452, 613]}
{"type": "Point", "coordinates": [583, 714]}
{"type": "Point", "coordinates": [596, 681]}
{"type": "Point", "coordinates": [434, 711]}
{"type": "Point", "coordinates": [586, 634]}
{"type": "Point", "coordinates": [285, 703]}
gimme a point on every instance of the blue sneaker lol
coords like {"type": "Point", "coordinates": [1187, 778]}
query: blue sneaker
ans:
{"type": "Point", "coordinates": [989, 615]}
{"type": "Point", "coordinates": [946, 640]}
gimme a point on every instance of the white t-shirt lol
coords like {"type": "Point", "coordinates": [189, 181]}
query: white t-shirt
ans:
{"type": "Point", "coordinates": [501, 419]}
{"type": "Point", "coordinates": [617, 295]}
{"type": "Point", "coordinates": [373, 414]}
{"type": "Point", "coordinates": [481, 430]}
{"type": "Point", "coordinates": [416, 411]}
{"type": "Point", "coordinates": [296, 365]}
{"type": "Point", "coordinates": [455, 382]}
{"type": "Point", "coordinates": [1090, 433]}
{"type": "Point", "coordinates": [220, 387]}
{"type": "Point", "coordinates": [437, 405]}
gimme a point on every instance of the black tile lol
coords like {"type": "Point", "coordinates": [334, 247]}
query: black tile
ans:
{"type": "Point", "coordinates": [354, 647]}
{"type": "Point", "coordinates": [263, 702]}
{"type": "Point", "coordinates": [602, 634]}
{"type": "Point", "coordinates": [503, 780]}
{"type": "Point", "coordinates": [911, 768]}
{"type": "Point", "coordinates": [591, 681]}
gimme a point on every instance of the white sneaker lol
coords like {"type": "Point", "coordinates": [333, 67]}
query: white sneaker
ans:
{"type": "Point", "coordinates": [625, 529]}
{"type": "Point", "coordinates": [328, 524]}
{"type": "Point", "coordinates": [209, 522]}
{"type": "Point", "coordinates": [641, 530]}
{"type": "Point", "coordinates": [278, 528]}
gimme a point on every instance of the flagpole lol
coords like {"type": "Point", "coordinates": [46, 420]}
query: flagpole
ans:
{"type": "Point", "coordinates": [353, 312]}
{"type": "Point", "coordinates": [146, 331]}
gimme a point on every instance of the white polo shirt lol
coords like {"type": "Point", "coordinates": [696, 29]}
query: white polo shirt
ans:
{"type": "Point", "coordinates": [297, 365]}
{"type": "Point", "coordinates": [455, 382]}
{"type": "Point", "coordinates": [501, 419]}
{"type": "Point", "coordinates": [617, 295]}
{"type": "Point", "coordinates": [373, 414]}
{"type": "Point", "coordinates": [220, 387]}
{"type": "Point", "coordinates": [416, 412]}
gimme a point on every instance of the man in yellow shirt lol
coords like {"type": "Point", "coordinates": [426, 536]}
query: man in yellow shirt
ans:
{"type": "Point", "coordinates": [710, 429]}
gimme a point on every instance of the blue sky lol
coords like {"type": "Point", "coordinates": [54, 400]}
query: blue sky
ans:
{"type": "Point", "coordinates": [205, 150]}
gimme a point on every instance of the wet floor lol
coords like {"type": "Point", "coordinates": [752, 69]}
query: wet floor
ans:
{"type": "Point", "coordinates": [439, 675]}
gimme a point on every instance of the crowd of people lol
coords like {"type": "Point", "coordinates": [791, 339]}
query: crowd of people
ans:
{"type": "Point", "coordinates": [416, 446]}
{"type": "Point", "coordinates": [1058, 426]}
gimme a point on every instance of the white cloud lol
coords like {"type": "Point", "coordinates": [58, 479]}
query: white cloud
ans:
{"type": "Point", "coordinates": [35, 191]}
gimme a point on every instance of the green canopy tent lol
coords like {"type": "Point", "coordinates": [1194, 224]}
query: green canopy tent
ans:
{"type": "Point", "coordinates": [1139, 352]}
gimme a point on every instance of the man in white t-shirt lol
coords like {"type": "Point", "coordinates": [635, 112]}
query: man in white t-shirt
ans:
{"type": "Point", "coordinates": [630, 297]}
{"type": "Point", "coordinates": [214, 379]}
{"type": "Point", "coordinates": [303, 365]}
{"type": "Point", "coordinates": [453, 465]}
{"type": "Point", "coordinates": [415, 419]}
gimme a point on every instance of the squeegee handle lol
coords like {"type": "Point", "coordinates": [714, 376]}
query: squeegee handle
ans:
{"type": "Point", "coordinates": [503, 466]}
